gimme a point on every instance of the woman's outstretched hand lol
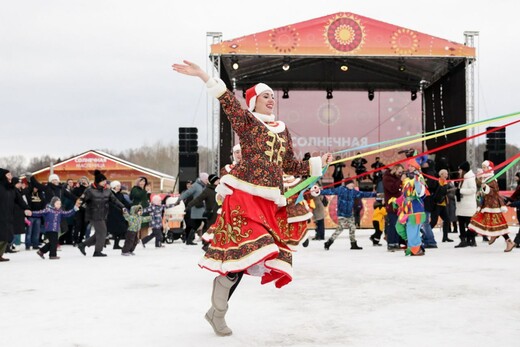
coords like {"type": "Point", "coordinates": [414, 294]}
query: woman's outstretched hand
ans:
{"type": "Point", "coordinates": [191, 69]}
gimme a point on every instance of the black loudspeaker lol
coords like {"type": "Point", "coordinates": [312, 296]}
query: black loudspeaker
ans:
{"type": "Point", "coordinates": [188, 169]}
{"type": "Point", "coordinates": [496, 151]}
{"type": "Point", "coordinates": [188, 140]}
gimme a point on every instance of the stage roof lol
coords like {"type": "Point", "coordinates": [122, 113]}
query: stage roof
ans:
{"type": "Point", "coordinates": [379, 56]}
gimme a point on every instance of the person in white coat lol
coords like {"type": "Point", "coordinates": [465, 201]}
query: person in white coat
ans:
{"type": "Point", "coordinates": [466, 205]}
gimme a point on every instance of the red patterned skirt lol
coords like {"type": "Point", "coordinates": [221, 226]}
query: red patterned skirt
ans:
{"type": "Point", "coordinates": [489, 224]}
{"type": "Point", "coordinates": [247, 236]}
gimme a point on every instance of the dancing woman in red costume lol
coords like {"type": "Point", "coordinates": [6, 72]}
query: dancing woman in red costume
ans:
{"type": "Point", "coordinates": [248, 237]}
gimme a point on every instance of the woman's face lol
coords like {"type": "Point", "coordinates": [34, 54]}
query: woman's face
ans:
{"type": "Point", "coordinates": [142, 183]}
{"type": "Point", "coordinates": [265, 103]}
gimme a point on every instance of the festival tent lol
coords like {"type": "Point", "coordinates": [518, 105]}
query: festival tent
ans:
{"type": "Point", "coordinates": [349, 52]}
{"type": "Point", "coordinates": [112, 167]}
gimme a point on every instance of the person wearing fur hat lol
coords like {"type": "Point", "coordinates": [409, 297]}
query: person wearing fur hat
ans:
{"type": "Point", "coordinates": [116, 223]}
{"type": "Point", "coordinates": [52, 216]}
{"type": "Point", "coordinates": [247, 238]}
{"type": "Point", "coordinates": [140, 195]}
{"type": "Point", "coordinates": [466, 202]}
{"type": "Point", "coordinates": [97, 198]}
{"type": "Point", "coordinates": [8, 199]}
{"type": "Point", "coordinates": [489, 219]}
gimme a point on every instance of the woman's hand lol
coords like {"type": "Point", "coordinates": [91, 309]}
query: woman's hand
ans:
{"type": "Point", "coordinates": [326, 159]}
{"type": "Point", "coordinates": [191, 69]}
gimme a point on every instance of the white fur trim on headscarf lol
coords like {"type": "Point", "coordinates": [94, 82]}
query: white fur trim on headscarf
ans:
{"type": "Point", "coordinates": [259, 89]}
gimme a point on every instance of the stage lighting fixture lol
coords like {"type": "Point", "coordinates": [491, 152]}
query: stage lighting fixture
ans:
{"type": "Point", "coordinates": [413, 95]}
{"type": "Point", "coordinates": [344, 67]}
{"type": "Point", "coordinates": [285, 93]}
{"type": "Point", "coordinates": [329, 94]}
{"type": "Point", "coordinates": [370, 94]}
{"type": "Point", "coordinates": [234, 63]}
{"type": "Point", "coordinates": [402, 68]}
{"type": "Point", "coordinates": [286, 64]}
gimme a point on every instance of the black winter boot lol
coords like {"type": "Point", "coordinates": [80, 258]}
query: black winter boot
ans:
{"type": "Point", "coordinates": [354, 245]}
{"type": "Point", "coordinates": [305, 243]}
{"type": "Point", "coordinates": [328, 243]}
{"type": "Point", "coordinates": [463, 243]}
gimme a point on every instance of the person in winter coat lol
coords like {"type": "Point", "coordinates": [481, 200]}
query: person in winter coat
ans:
{"type": "Point", "coordinates": [156, 211]}
{"type": "Point", "coordinates": [36, 202]}
{"type": "Point", "coordinates": [52, 216]}
{"type": "Point", "coordinates": [466, 197]}
{"type": "Point", "coordinates": [514, 201]}
{"type": "Point", "coordinates": [80, 224]}
{"type": "Point", "coordinates": [8, 199]}
{"type": "Point", "coordinates": [18, 218]}
{"type": "Point", "coordinates": [345, 211]}
{"type": "Point", "coordinates": [378, 218]}
{"type": "Point", "coordinates": [197, 210]}
{"type": "Point", "coordinates": [439, 203]}
{"type": "Point", "coordinates": [392, 186]}
{"type": "Point", "coordinates": [318, 212]}
{"type": "Point", "coordinates": [208, 197]}
{"type": "Point", "coordinates": [52, 188]}
{"type": "Point", "coordinates": [140, 195]}
{"type": "Point", "coordinates": [135, 220]}
{"type": "Point", "coordinates": [428, 168]}
{"type": "Point", "coordinates": [97, 198]}
{"type": "Point", "coordinates": [337, 174]}
{"type": "Point", "coordinates": [116, 222]}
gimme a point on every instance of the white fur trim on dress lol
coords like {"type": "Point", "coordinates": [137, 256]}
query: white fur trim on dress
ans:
{"type": "Point", "coordinates": [491, 210]}
{"type": "Point", "coordinates": [301, 218]}
{"type": "Point", "coordinates": [216, 87]}
{"type": "Point", "coordinates": [480, 231]}
{"type": "Point", "coordinates": [241, 264]}
{"type": "Point", "coordinates": [268, 193]}
{"type": "Point", "coordinates": [315, 166]}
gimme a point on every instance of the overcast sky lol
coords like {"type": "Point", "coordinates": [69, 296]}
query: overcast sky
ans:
{"type": "Point", "coordinates": [79, 75]}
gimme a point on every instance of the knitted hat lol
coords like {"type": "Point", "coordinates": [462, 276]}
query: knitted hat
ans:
{"type": "Point", "coordinates": [253, 92]}
{"type": "Point", "coordinates": [54, 200]}
{"type": "Point", "coordinates": [54, 177]}
{"type": "Point", "coordinates": [203, 176]}
{"type": "Point", "coordinates": [348, 181]}
{"type": "Point", "coordinates": [99, 177]}
{"type": "Point", "coordinates": [15, 180]}
{"type": "Point", "coordinates": [213, 178]}
{"type": "Point", "coordinates": [156, 200]}
{"type": "Point", "coordinates": [414, 163]}
{"type": "Point", "coordinates": [114, 184]}
{"type": "Point", "coordinates": [465, 166]}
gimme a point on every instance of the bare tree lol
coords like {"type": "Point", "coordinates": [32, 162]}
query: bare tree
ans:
{"type": "Point", "coordinates": [14, 163]}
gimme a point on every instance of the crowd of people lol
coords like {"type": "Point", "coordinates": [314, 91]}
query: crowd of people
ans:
{"type": "Point", "coordinates": [246, 224]}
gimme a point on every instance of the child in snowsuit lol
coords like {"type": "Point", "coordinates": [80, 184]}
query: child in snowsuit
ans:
{"type": "Point", "coordinates": [135, 220]}
{"type": "Point", "coordinates": [155, 210]}
{"type": "Point", "coordinates": [378, 221]}
{"type": "Point", "coordinates": [345, 211]}
{"type": "Point", "coordinates": [52, 216]}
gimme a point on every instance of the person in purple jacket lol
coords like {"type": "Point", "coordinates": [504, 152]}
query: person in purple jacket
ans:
{"type": "Point", "coordinates": [52, 216]}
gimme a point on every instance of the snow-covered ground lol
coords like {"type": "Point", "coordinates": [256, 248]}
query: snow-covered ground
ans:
{"type": "Point", "coordinates": [450, 297]}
